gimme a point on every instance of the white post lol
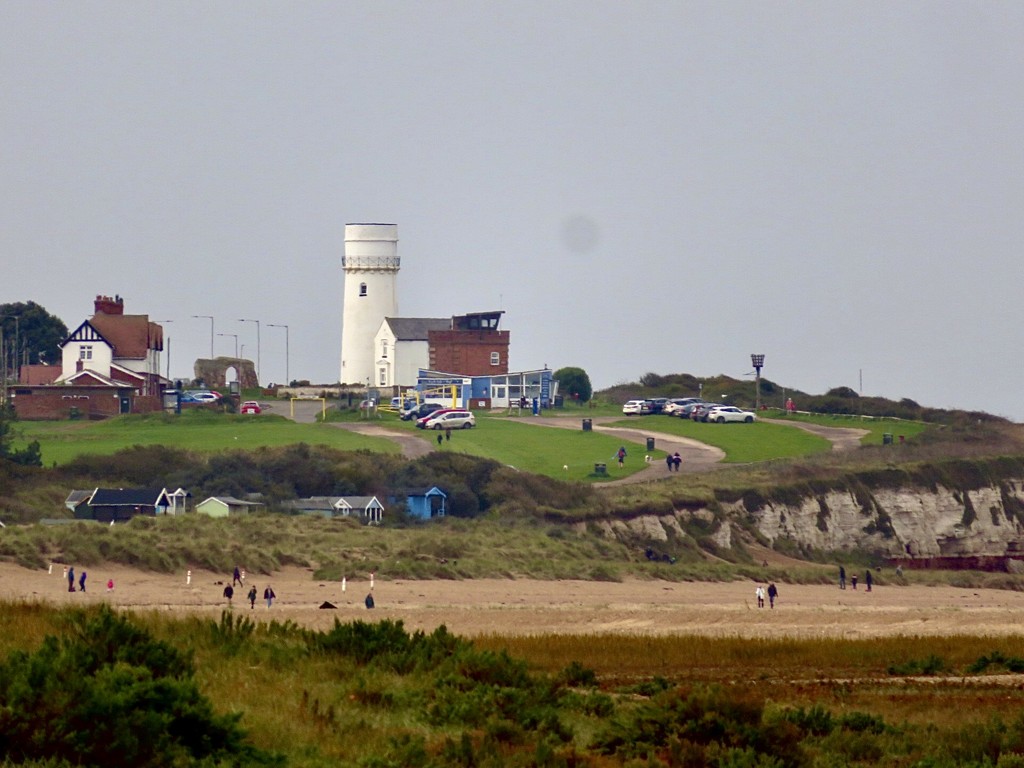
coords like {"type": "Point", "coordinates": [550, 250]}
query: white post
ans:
{"type": "Point", "coordinates": [342, 585]}
{"type": "Point", "coordinates": [188, 578]}
{"type": "Point", "coordinates": [371, 580]}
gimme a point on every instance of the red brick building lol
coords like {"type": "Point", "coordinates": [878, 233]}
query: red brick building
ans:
{"type": "Point", "coordinates": [472, 346]}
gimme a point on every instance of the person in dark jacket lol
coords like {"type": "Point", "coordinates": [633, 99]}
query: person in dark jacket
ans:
{"type": "Point", "coordinates": [252, 597]}
{"type": "Point", "coordinates": [268, 595]}
{"type": "Point", "coordinates": [773, 592]}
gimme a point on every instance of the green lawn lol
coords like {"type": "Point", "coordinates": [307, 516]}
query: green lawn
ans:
{"type": "Point", "coordinates": [539, 449]}
{"type": "Point", "coordinates": [742, 443]}
{"type": "Point", "coordinates": [877, 427]}
{"type": "Point", "coordinates": [61, 441]}
{"type": "Point", "coordinates": [568, 454]}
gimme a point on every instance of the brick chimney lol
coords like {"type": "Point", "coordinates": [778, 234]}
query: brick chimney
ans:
{"type": "Point", "coordinates": [109, 306]}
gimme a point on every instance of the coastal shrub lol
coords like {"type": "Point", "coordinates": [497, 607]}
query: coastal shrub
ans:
{"type": "Point", "coordinates": [714, 722]}
{"type": "Point", "coordinates": [109, 694]}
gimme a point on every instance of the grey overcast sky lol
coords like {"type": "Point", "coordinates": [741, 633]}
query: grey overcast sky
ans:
{"type": "Point", "coordinates": [641, 186]}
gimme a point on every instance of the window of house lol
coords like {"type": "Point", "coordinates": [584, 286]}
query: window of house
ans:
{"type": "Point", "coordinates": [362, 289]}
{"type": "Point", "coordinates": [495, 358]}
{"type": "Point", "coordinates": [384, 348]}
{"type": "Point", "coordinates": [85, 352]}
{"type": "Point", "coordinates": [383, 377]}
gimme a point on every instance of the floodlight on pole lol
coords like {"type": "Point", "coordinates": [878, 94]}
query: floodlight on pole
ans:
{"type": "Point", "coordinates": [758, 361]}
{"type": "Point", "coordinates": [287, 374]}
{"type": "Point", "coordinates": [210, 318]}
{"type": "Point", "coordinates": [246, 320]}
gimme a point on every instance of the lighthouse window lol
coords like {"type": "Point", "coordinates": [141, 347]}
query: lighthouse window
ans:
{"type": "Point", "coordinates": [495, 358]}
{"type": "Point", "coordinates": [362, 289]}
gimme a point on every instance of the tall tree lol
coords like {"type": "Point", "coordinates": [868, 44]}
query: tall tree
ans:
{"type": "Point", "coordinates": [574, 383]}
{"type": "Point", "coordinates": [31, 334]}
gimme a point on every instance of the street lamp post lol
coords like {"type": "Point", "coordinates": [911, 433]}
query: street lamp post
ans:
{"type": "Point", "coordinates": [758, 361]}
{"type": "Point", "coordinates": [235, 337]}
{"type": "Point", "coordinates": [210, 318]}
{"type": "Point", "coordinates": [168, 346]}
{"type": "Point", "coordinates": [287, 374]}
{"type": "Point", "coordinates": [246, 320]}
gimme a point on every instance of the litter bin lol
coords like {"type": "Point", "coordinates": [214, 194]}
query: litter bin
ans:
{"type": "Point", "coordinates": [588, 425]}
{"type": "Point", "coordinates": [650, 443]}
{"type": "Point", "coordinates": [887, 438]}
{"type": "Point", "coordinates": [600, 469]}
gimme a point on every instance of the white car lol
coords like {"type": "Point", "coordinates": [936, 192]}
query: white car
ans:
{"type": "Point", "coordinates": [636, 408]}
{"type": "Point", "coordinates": [723, 413]}
{"type": "Point", "coordinates": [673, 406]}
{"type": "Point", "coordinates": [451, 420]}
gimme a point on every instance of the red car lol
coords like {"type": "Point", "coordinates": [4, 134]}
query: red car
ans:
{"type": "Point", "coordinates": [251, 406]}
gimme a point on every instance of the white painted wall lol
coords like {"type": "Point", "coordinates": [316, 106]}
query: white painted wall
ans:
{"type": "Point", "coordinates": [102, 357]}
{"type": "Point", "coordinates": [371, 260]}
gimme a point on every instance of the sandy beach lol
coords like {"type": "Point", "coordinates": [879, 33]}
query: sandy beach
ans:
{"type": "Point", "coordinates": [526, 607]}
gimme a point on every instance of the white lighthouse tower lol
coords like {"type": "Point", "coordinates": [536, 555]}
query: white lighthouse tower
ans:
{"type": "Point", "coordinates": [371, 266]}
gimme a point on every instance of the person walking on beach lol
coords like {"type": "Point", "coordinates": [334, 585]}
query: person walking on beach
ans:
{"type": "Point", "coordinates": [252, 597]}
{"type": "Point", "coordinates": [867, 579]}
{"type": "Point", "coordinates": [268, 595]}
{"type": "Point", "coordinates": [773, 592]}
{"type": "Point", "coordinates": [759, 592]}
{"type": "Point", "coordinates": [842, 577]}
{"type": "Point", "coordinates": [71, 579]}
{"type": "Point", "coordinates": [110, 585]}
{"type": "Point", "coordinates": [81, 581]}
{"type": "Point", "coordinates": [229, 592]}
{"type": "Point", "coordinates": [853, 581]}
{"type": "Point", "coordinates": [236, 577]}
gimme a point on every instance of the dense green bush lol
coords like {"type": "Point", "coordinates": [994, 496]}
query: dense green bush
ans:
{"type": "Point", "coordinates": [109, 694]}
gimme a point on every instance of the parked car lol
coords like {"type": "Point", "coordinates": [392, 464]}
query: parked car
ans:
{"type": "Point", "coordinates": [656, 403]}
{"type": "Point", "coordinates": [686, 411]}
{"type": "Point", "coordinates": [700, 411]}
{"type": "Point", "coordinates": [636, 408]}
{"type": "Point", "coordinates": [450, 420]}
{"type": "Point", "coordinates": [676, 403]}
{"type": "Point", "coordinates": [200, 396]}
{"type": "Point", "coordinates": [418, 411]}
{"type": "Point", "coordinates": [251, 406]}
{"type": "Point", "coordinates": [723, 413]}
{"type": "Point", "coordinates": [421, 422]}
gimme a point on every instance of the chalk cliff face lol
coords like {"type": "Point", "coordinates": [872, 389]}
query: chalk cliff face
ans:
{"type": "Point", "coordinates": [898, 523]}
{"type": "Point", "coordinates": [915, 523]}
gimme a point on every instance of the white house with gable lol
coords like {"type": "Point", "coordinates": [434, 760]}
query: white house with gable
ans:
{"type": "Point", "coordinates": [401, 349]}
